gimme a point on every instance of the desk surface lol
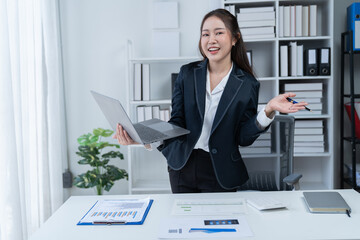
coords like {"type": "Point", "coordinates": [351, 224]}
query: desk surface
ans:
{"type": "Point", "coordinates": [295, 222]}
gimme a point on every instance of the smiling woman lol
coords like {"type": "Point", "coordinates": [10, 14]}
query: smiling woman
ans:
{"type": "Point", "coordinates": [216, 99]}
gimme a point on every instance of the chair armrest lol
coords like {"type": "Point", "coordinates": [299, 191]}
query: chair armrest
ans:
{"type": "Point", "coordinates": [292, 179]}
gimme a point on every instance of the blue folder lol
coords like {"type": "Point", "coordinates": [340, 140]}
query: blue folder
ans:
{"type": "Point", "coordinates": [116, 223]}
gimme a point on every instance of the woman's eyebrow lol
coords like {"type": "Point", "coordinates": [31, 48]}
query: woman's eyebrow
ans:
{"type": "Point", "coordinates": [214, 29]}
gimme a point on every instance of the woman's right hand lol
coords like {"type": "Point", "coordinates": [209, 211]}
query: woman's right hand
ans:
{"type": "Point", "coordinates": [122, 136]}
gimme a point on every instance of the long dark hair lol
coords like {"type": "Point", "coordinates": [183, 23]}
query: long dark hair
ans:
{"type": "Point", "coordinates": [238, 52]}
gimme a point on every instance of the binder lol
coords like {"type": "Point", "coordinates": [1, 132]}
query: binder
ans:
{"type": "Point", "coordinates": [284, 61]}
{"type": "Point", "coordinates": [145, 82]}
{"type": "Point", "coordinates": [86, 219]}
{"type": "Point", "coordinates": [137, 82]}
{"type": "Point", "coordinates": [310, 64]}
{"type": "Point", "coordinates": [313, 20]}
{"type": "Point", "coordinates": [286, 21]}
{"type": "Point", "coordinates": [305, 21]}
{"type": "Point", "coordinates": [353, 24]}
{"type": "Point", "coordinates": [293, 59]}
{"type": "Point", "coordinates": [324, 61]}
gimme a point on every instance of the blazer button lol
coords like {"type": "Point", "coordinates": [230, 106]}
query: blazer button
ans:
{"type": "Point", "coordinates": [214, 151]}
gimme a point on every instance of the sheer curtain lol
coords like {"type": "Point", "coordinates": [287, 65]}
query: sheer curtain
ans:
{"type": "Point", "coordinates": [32, 116]}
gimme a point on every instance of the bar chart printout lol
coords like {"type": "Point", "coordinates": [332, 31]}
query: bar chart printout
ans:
{"type": "Point", "coordinates": [117, 211]}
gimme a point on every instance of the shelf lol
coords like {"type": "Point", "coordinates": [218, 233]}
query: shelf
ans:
{"type": "Point", "coordinates": [348, 52]}
{"type": "Point", "coordinates": [266, 78]}
{"type": "Point", "coordinates": [350, 139]}
{"type": "Point", "coordinates": [312, 116]}
{"type": "Point", "coordinates": [260, 40]}
{"type": "Point", "coordinates": [325, 154]}
{"type": "Point", "coordinates": [241, 1]}
{"type": "Point", "coordinates": [304, 38]}
{"type": "Point", "coordinates": [161, 60]}
{"type": "Point", "coordinates": [305, 77]}
{"type": "Point", "coordinates": [151, 102]}
{"type": "Point", "coordinates": [349, 95]}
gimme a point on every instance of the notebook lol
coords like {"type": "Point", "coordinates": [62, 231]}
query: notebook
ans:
{"type": "Point", "coordinates": [326, 202]}
{"type": "Point", "coordinates": [145, 132]}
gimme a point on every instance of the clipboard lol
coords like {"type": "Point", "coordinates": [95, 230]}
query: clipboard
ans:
{"type": "Point", "coordinates": [114, 212]}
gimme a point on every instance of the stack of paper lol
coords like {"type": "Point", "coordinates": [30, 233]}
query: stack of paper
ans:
{"type": "Point", "coordinates": [309, 136]}
{"type": "Point", "coordinates": [257, 22]}
{"type": "Point", "coordinates": [297, 21]}
{"type": "Point", "coordinates": [117, 211]}
{"type": "Point", "coordinates": [206, 218]}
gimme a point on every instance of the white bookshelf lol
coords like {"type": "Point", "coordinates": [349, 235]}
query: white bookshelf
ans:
{"type": "Point", "coordinates": [317, 168]}
{"type": "Point", "coordinates": [148, 169]}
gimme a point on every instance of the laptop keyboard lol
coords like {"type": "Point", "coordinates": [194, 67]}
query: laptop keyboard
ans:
{"type": "Point", "coordinates": [148, 134]}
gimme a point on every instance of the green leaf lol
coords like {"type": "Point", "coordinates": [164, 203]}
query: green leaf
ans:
{"type": "Point", "coordinates": [98, 131]}
{"type": "Point", "coordinates": [107, 133]}
{"type": "Point", "coordinates": [113, 154]}
{"type": "Point", "coordinates": [93, 139]}
{"type": "Point", "coordinates": [83, 161]}
{"type": "Point", "coordinates": [84, 139]}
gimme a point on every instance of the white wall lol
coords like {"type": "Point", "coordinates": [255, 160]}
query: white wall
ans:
{"type": "Point", "coordinates": [94, 37]}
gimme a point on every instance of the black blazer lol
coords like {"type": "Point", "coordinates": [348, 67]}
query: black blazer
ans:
{"type": "Point", "coordinates": [234, 123]}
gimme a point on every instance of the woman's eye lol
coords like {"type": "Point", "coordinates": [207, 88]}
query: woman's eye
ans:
{"type": "Point", "coordinates": [218, 33]}
{"type": "Point", "coordinates": [205, 35]}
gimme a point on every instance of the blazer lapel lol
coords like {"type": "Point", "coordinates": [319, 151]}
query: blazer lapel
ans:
{"type": "Point", "coordinates": [200, 86]}
{"type": "Point", "coordinates": [231, 89]}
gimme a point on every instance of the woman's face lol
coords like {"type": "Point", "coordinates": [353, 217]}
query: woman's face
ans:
{"type": "Point", "coordinates": [216, 40]}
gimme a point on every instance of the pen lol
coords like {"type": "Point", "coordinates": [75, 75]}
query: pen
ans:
{"type": "Point", "coordinates": [293, 101]}
{"type": "Point", "coordinates": [110, 222]}
{"type": "Point", "coordinates": [348, 212]}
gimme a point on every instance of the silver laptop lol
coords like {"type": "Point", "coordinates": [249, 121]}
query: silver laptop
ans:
{"type": "Point", "coordinates": [143, 132]}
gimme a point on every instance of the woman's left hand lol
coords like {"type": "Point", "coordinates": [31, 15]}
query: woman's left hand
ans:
{"type": "Point", "coordinates": [281, 104]}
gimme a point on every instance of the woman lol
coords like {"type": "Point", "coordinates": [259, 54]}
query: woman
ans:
{"type": "Point", "coordinates": [216, 99]}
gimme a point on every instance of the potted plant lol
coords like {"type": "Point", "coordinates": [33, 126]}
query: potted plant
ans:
{"type": "Point", "coordinates": [102, 176]}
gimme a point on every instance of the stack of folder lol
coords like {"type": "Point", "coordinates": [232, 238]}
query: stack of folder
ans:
{"type": "Point", "coordinates": [309, 136]}
{"type": "Point", "coordinates": [257, 22]}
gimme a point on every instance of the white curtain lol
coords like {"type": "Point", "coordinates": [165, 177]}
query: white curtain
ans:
{"type": "Point", "coordinates": [32, 121]}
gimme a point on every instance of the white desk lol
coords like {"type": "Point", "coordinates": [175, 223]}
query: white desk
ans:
{"type": "Point", "coordinates": [295, 222]}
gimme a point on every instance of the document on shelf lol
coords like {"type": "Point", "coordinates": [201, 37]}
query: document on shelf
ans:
{"type": "Point", "coordinates": [209, 206]}
{"type": "Point", "coordinates": [202, 227]}
{"type": "Point", "coordinates": [117, 211]}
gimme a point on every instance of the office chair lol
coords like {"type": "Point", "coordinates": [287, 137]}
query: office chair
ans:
{"type": "Point", "coordinates": [282, 145]}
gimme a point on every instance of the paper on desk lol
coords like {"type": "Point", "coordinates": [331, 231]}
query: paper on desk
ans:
{"type": "Point", "coordinates": [194, 227]}
{"type": "Point", "coordinates": [209, 206]}
{"type": "Point", "coordinates": [117, 210]}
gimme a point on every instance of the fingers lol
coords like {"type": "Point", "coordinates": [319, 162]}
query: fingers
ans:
{"type": "Point", "coordinates": [289, 94]}
{"type": "Point", "coordinates": [120, 136]}
{"type": "Point", "coordinates": [128, 138]}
